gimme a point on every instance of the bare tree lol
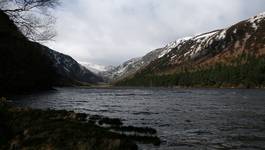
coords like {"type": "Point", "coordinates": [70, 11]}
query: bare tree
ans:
{"type": "Point", "coordinates": [33, 17]}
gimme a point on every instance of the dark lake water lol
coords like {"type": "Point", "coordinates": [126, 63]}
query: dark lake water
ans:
{"type": "Point", "coordinates": [185, 118]}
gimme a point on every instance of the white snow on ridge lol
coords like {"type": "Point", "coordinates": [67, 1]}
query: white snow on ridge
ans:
{"type": "Point", "coordinates": [206, 35]}
{"type": "Point", "coordinates": [177, 42]}
{"type": "Point", "coordinates": [201, 41]}
{"type": "Point", "coordinates": [172, 45]}
{"type": "Point", "coordinates": [256, 19]}
{"type": "Point", "coordinates": [204, 40]}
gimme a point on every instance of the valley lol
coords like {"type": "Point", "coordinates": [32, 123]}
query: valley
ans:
{"type": "Point", "coordinates": [200, 92]}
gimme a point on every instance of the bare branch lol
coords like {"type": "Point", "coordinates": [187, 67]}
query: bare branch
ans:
{"type": "Point", "coordinates": [33, 17]}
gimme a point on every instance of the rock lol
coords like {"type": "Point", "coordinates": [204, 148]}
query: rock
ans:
{"type": "Point", "coordinates": [15, 144]}
{"type": "Point", "coordinates": [3, 101]}
{"type": "Point", "coordinates": [81, 116]}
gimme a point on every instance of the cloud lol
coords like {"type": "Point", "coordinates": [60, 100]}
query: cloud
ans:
{"type": "Point", "coordinates": [112, 31]}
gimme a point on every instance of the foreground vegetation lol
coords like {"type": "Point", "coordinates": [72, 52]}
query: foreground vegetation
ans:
{"type": "Point", "coordinates": [246, 71]}
{"type": "Point", "coordinates": [25, 128]}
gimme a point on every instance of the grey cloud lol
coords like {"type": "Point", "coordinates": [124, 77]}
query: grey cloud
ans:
{"type": "Point", "coordinates": [112, 31]}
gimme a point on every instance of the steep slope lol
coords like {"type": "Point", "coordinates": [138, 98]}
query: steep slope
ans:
{"type": "Point", "coordinates": [70, 69]}
{"type": "Point", "coordinates": [231, 52]}
{"type": "Point", "coordinates": [27, 66]}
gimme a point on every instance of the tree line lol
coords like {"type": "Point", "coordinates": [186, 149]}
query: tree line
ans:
{"type": "Point", "coordinates": [245, 71]}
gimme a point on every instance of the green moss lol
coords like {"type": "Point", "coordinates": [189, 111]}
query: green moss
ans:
{"type": "Point", "coordinates": [51, 129]}
{"type": "Point", "coordinates": [37, 129]}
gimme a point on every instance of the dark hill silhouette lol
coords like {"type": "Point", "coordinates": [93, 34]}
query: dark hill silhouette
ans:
{"type": "Point", "coordinates": [27, 66]}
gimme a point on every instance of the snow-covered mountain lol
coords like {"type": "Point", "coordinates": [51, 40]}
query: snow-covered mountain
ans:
{"type": "Point", "coordinates": [219, 46]}
{"type": "Point", "coordinates": [95, 68]}
{"type": "Point", "coordinates": [133, 65]}
{"type": "Point", "coordinates": [245, 36]}
{"type": "Point", "coordinates": [117, 72]}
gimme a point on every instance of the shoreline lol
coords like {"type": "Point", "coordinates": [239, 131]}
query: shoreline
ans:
{"type": "Point", "coordinates": [166, 87]}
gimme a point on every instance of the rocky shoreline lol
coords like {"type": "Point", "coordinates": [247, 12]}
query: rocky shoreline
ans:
{"type": "Point", "coordinates": [26, 128]}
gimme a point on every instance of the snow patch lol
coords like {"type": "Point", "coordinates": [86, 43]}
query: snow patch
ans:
{"type": "Point", "coordinates": [172, 57]}
{"type": "Point", "coordinates": [235, 31]}
{"type": "Point", "coordinates": [222, 34]}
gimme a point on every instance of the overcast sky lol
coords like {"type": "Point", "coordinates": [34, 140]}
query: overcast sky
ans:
{"type": "Point", "coordinates": [109, 32]}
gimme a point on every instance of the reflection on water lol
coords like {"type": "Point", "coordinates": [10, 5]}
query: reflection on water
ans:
{"type": "Point", "coordinates": [184, 118]}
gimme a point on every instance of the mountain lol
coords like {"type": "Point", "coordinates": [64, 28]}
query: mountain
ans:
{"type": "Point", "coordinates": [233, 56]}
{"type": "Point", "coordinates": [70, 69]}
{"type": "Point", "coordinates": [27, 66]}
{"type": "Point", "coordinates": [133, 65]}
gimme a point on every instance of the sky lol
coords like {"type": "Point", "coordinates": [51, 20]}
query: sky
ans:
{"type": "Point", "coordinates": [109, 32]}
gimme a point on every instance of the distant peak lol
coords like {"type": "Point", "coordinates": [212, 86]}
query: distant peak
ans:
{"type": "Point", "coordinates": [96, 68]}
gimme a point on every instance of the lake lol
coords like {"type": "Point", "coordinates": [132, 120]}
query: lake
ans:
{"type": "Point", "coordinates": [184, 118]}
